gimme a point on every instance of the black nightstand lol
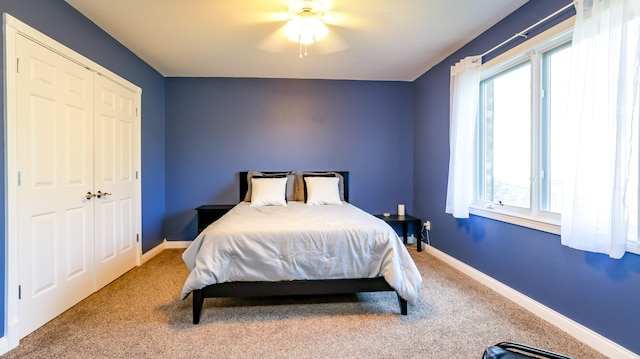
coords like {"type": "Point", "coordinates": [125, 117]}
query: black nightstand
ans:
{"type": "Point", "coordinates": [405, 221]}
{"type": "Point", "coordinates": [210, 213]}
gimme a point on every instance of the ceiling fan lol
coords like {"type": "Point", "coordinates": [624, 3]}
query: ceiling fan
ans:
{"type": "Point", "coordinates": [306, 25]}
{"type": "Point", "coordinates": [315, 23]}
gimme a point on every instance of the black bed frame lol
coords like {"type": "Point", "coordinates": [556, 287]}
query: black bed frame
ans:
{"type": "Point", "coordinates": [291, 288]}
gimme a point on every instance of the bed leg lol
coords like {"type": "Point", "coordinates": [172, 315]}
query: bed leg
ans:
{"type": "Point", "coordinates": [403, 305]}
{"type": "Point", "coordinates": [198, 301]}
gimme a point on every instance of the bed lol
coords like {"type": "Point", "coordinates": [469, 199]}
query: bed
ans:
{"type": "Point", "coordinates": [294, 248]}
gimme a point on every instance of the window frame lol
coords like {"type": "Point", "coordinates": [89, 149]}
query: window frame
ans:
{"type": "Point", "coordinates": [532, 50]}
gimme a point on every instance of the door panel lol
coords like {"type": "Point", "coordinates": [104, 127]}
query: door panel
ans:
{"type": "Point", "coordinates": [76, 165]}
{"type": "Point", "coordinates": [75, 243]}
{"type": "Point", "coordinates": [126, 224]}
{"type": "Point", "coordinates": [43, 116]}
{"type": "Point", "coordinates": [43, 261]}
{"type": "Point", "coordinates": [55, 220]}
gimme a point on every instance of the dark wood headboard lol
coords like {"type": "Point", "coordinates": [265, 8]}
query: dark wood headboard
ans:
{"type": "Point", "coordinates": [244, 185]}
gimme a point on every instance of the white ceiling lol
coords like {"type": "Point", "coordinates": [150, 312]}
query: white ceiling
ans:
{"type": "Point", "coordinates": [395, 40]}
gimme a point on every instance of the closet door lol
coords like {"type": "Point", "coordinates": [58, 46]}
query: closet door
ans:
{"type": "Point", "coordinates": [55, 164]}
{"type": "Point", "coordinates": [115, 180]}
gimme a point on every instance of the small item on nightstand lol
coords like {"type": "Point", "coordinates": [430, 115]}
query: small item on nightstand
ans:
{"type": "Point", "coordinates": [401, 210]}
{"type": "Point", "coordinates": [386, 214]}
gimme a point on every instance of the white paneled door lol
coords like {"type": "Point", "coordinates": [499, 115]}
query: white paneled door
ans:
{"type": "Point", "coordinates": [115, 175]}
{"type": "Point", "coordinates": [55, 156]}
{"type": "Point", "coordinates": [76, 194]}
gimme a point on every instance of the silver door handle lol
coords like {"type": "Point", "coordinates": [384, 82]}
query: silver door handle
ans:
{"type": "Point", "coordinates": [101, 194]}
{"type": "Point", "coordinates": [89, 195]}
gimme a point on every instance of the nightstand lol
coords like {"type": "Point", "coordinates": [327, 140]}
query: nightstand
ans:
{"type": "Point", "coordinates": [405, 221]}
{"type": "Point", "coordinates": [210, 213]}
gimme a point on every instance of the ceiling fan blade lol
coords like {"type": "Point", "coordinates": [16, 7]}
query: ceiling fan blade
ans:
{"type": "Point", "coordinates": [252, 12]}
{"type": "Point", "coordinates": [331, 43]}
{"type": "Point", "coordinates": [359, 20]}
{"type": "Point", "coordinates": [253, 18]}
{"type": "Point", "coordinates": [275, 42]}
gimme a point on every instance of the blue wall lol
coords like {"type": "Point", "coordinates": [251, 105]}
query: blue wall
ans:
{"type": "Point", "coordinates": [596, 291]}
{"type": "Point", "coordinates": [61, 22]}
{"type": "Point", "coordinates": [392, 136]}
{"type": "Point", "coordinates": [218, 127]}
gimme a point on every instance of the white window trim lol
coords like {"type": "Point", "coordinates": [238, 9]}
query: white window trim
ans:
{"type": "Point", "coordinates": [531, 218]}
{"type": "Point", "coordinates": [549, 225]}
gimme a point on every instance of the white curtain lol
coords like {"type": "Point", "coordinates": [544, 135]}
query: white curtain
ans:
{"type": "Point", "coordinates": [465, 87]}
{"type": "Point", "coordinates": [600, 201]}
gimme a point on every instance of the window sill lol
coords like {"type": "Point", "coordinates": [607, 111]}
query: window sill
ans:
{"type": "Point", "coordinates": [633, 247]}
{"type": "Point", "coordinates": [540, 224]}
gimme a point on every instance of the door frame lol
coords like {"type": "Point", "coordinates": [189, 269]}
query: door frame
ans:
{"type": "Point", "coordinates": [12, 28]}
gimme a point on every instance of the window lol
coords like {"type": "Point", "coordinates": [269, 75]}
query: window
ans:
{"type": "Point", "coordinates": [522, 116]}
{"type": "Point", "coordinates": [555, 79]}
{"type": "Point", "coordinates": [505, 143]}
{"type": "Point", "coordinates": [522, 104]}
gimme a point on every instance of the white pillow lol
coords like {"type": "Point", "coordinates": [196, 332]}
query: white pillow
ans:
{"type": "Point", "coordinates": [322, 190]}
{"type": "Point", "coordinates": [268, 192]}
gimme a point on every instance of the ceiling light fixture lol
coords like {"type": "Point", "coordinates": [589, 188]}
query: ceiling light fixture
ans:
{"type": "Point", "coordinates": [306, 26]}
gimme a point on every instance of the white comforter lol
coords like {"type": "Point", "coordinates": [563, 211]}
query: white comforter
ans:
{"type": "Point", "coordinates": [298, 242]}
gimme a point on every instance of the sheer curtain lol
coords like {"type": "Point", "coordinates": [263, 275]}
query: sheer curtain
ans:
{"type": "Point", "coordinates": [465, 87]}
{"type": "Point", "coordinates": [600, 202]}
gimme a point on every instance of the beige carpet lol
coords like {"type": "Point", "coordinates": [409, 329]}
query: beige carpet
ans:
{"type": "Point", "coordinates": [139, 316]}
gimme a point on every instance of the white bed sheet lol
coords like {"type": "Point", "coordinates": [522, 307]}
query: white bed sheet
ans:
{"type": "Point", "coordinates": [300, 242]}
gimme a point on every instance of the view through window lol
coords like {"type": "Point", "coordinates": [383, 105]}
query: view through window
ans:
{"type": "Point", "coordinates": [506, 145]}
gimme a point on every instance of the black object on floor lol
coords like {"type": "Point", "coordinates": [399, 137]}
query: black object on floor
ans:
{"type": "Point", "coordinates": [511, 350]}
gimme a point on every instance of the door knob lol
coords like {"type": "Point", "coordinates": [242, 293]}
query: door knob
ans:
{"type": "Point", "coordinates": [89, 195]}
{"type": "Point", "coordinates": [101, 194]}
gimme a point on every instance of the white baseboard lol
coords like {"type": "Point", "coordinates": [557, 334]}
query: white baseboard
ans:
{"type": "Point", "coordinates": [146, 256]}
{"type": "Point", "coordinates": [176, 244]}
{"type": "Point", "coordinates": [4, 345]}
{"type": "Point", "coordinates": [577, 330]}
{"type": "Point", "coordinates": [162, 246]}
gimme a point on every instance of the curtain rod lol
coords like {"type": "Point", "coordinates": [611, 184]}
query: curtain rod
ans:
{"type": "Point", "coordinates": [524, 32]}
